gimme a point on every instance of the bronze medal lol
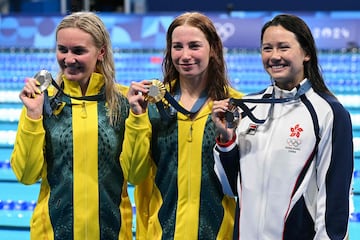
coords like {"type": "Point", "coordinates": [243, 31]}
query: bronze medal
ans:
{"type": "Point", "coordinates": [232, 117]}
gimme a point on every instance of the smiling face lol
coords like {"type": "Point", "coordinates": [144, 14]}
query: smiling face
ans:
{"type": "Point", "coordinates": [190, 52]}
{"type": "Point", "coordinates": [282, 57]}
{"type": "Point", "coordinates": [77, 55]}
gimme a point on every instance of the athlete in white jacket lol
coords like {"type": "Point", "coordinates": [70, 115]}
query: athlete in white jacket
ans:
{"type": "Point", "coordinates": [289, 160]}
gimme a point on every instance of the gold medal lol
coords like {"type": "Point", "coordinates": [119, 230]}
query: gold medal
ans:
{"type": "Point", "coordinates": [156, 91]}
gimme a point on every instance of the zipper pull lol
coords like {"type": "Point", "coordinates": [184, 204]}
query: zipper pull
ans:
{"type": "Point", "coordinates": [190, 134]}
{"type": "Point", "coordinates": [83, 111]}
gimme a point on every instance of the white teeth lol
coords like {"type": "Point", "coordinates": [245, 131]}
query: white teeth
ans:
{"type": "Point", "coordinates": [278, 66]}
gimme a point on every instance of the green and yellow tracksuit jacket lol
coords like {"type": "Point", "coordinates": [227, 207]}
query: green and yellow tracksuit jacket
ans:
{"type": "Point", "coordinates": [181, 197]}
{"type": "Point", "coordinates": [74, 153]}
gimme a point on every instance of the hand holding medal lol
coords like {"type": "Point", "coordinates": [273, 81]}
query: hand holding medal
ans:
{"type": "Point", "coordinates": [156, 91]}
{"type": "Point", "coordinates": [44, 78]}
{"type": "Point", "coordinates": [158, 94]}
{"type": "Point", "coordinates": [232, 116]}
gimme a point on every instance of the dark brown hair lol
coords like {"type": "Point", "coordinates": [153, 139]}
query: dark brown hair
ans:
{"type": "Point", "coordinates": [217, 82]}
{"type": "Point", "coordinates": [306, 40]}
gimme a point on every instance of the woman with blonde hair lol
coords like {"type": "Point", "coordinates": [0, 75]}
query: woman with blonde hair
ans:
{"type": "Point", "coordinates": [70, 138]}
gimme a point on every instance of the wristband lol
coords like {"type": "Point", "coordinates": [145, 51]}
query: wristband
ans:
{"type": "Point", "coordinates": [226, 144]}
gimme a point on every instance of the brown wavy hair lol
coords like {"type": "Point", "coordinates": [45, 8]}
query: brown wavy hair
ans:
{"type": "Point", "coordinates": [217, 82]}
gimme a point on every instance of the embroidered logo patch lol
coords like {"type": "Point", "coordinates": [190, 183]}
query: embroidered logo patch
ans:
{"type": "Point", "coordinates": [252, 129]}
{"type": "Point", "coordinates": [296, 131]}
{"type": "Point", "coordinates": [294, 141]}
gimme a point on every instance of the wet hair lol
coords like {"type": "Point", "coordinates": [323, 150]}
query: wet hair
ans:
{"type": "Point", "coordinates": [90, 23]}
{"type": "Point", "coordinates": [296, 25]}
{"type": "Point", "coordinates": [217, 81]}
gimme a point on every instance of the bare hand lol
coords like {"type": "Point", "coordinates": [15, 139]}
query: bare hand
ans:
{"type": "Point", "coordinates": [32, 98]}
{"type": "Point", "coordinates": [218, 117]}
{"type": "Point", "coordinates": [136, 96]}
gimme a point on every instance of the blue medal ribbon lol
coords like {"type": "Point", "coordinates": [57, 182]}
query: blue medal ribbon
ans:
{"type": "Point", "coordinates": [248, 112]}
{"type": "Point", "coordinates": [176, 107]}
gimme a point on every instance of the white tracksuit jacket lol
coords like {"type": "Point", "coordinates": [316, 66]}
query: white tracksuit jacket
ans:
{"type": "Point", "coordinates": [295, 169]}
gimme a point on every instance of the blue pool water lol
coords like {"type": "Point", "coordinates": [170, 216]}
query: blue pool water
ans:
{"type": "Point", "coordinates": [341, 70]}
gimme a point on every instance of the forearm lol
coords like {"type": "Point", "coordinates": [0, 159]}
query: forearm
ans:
{"type": "Point", "coordinates": [28, 155]}
{"type": "Point", "coordinates": [335, 171]}
{"type": "Point", "coordinates": [227, 166]}
{"type": "Point", "coordinates": [135, 158]}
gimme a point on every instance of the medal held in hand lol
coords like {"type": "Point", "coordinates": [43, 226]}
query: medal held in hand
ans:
{"type": "Point", "coordinates": [156, 91]}
{"type": "Point", "coordinates": [232, 117]}
{"type": "Point", "coordinates": [44, 78]}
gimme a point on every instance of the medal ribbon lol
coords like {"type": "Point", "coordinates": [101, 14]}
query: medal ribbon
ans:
{"type": "Point", "coordinates": [247, 112]}
{"type": "Point", "coordinates": [176, 105]}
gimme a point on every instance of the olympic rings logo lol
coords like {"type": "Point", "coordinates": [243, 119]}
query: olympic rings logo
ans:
{"type": "Point", "coordinates": [225, 31]}
{"type": "Point", "coordinates": [292, 142]}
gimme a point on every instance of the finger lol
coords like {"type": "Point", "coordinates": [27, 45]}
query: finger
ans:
{"type": "Point", "coordinates": [32, 85]}
{"type": "Point", "coordinates": [138, 89]}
